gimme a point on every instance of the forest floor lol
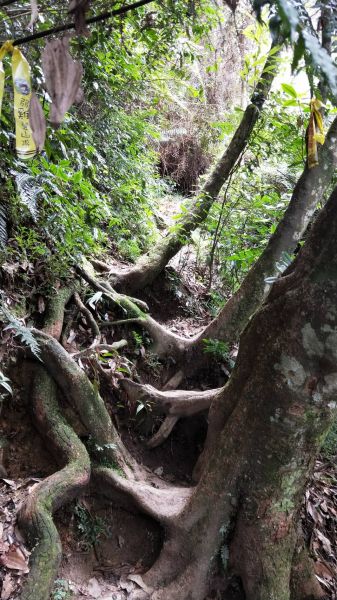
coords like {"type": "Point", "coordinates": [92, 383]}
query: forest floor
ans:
{"type": "Point", "coordinates": [105, 548]}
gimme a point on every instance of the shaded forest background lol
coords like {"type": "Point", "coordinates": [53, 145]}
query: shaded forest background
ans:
{"type": "Point", "coordinates": [165, 89]}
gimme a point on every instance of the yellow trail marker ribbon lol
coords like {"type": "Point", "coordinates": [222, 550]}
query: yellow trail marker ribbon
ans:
{"type": "Point", "coordinates": [25, 145]}
{"type": "Point", "coordinates": [315, 132]}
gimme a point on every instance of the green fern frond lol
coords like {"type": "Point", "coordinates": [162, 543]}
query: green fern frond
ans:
{"type": "Point", "coordinates": [5, 383]}
{"type": "Point", "coordinates": [3, 227]}
{"type": "Point", "coordinates": [20, 330]}
{"type": "Point", "coordinates": [29, 191]}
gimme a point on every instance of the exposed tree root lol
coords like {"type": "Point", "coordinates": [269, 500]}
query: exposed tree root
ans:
{"type": "Point", "coordinates": [132, 306]}
{"type": "Point", "coordinates": [165, 343]}
{"type": "Point", "coordinates": [180, 403]}
{"type": "Point", "coordinates": [35, 517]}
{"type": "Point", "coordinates": [54, 315]}
{"type": "Point", "coordinates": [159, 500]}
{"type": "Point", "coordinates": [174, 403]}
{"type": "Point", "coordinates": [89, 405]}
{"type": "Point", "coordinates": [163, 432]}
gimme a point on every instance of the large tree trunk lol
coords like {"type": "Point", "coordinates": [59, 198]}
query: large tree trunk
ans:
{"type": "Point", "coordinates": [308, 192]}
{"type": "Point", "coordinates": [232, 319]}
{"type": "Point", "coordinates": [153, 263]}
{"type": "Point", "coordinates": [283, 399]}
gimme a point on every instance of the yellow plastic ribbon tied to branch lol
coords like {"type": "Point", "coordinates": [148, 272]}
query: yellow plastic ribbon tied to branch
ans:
{"type": "Point", "coordinates": [25, 145]}
{"type": "Point", "coordinates": [315, 132]}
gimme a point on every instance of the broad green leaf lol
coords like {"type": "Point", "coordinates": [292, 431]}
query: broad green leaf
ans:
{"type": "Point", "coordinates": [289, 90]}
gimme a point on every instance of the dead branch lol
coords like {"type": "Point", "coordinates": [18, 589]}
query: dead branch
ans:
{"type": "Point", "coordinates": [100, 348]}
{"type": "Point", "coordinates": [88, 315]}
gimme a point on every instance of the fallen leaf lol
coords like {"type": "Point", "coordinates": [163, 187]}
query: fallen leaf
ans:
{"type": "Point", "coordinates": [139, 581]}
{"type": "Point", "coordinates": [323, 570]}
{"type": "Point", "coordinates": [15, 560]}
{"type": "Point", "coordinates": [10, 482]}
{"type": "Point", "coordinates": [8, 587]}
{"type": "Point", "coordinates": [325, 542]}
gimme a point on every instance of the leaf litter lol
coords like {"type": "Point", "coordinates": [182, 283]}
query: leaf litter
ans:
{"type": "Point", "coordinates": [319, 519]}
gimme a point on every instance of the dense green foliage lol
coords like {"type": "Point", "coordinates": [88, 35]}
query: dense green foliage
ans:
{"type": "Point", "coordinates": [97, 187]}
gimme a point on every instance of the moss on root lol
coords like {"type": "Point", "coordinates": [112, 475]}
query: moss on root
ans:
{"type": "Point", "coordinates": [36, 516]}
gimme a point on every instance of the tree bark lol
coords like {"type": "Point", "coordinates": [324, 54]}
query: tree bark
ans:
{"type": "Point", "coordinates": [181, 403]}
{"type": "Point", "coordinates": [150, 265]}
{"type": "Point", "coordinates": [36, 515]}
{"type": "Point", "coordinates": [235, 315]}
{"type": "Point", "coordinates": [283, 398]}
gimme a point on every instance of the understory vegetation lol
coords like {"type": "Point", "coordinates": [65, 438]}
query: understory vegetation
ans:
{"type": "Point", "coordinates": [168, 285]}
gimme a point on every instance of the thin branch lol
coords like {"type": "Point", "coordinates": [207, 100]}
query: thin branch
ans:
{"type": "Point", "coordinates": [102, 17]}
{"type": "Point", "coordinates": [119, 322]}
{"type": "Point", "coordinates": [100, 348]}
{"type": "Point", "coordinates": [90, 318]}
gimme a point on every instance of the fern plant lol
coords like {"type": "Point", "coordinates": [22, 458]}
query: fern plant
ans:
{"type": "Point", "coordinates": [29, 191]}
{"type": "Point", "coordinates": [19, 330]}
{"type": "Point", "coordinates": [5, 384]}
{"type": "Point", "coordinates": [217, 348]}
{"type": "Point", "coordinates": [3, 227]}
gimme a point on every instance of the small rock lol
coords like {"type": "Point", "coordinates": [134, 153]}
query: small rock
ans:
{"type": "Point", "coordinates": [159, 471]}
{"type": "Point", "coordinates": [94, 588]}
{"type": "Point", "coordinates": [128, 586]}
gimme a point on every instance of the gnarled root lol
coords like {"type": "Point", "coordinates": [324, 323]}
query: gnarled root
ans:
{"type": "Point", "coordinates": [177, 571]}
{"type": "Point", "coordinates": [163, 432]}
{"type": "Point", "coordinates": [180, 403]}
{"type": "Point", "coordinates": [86, 400]}
{"type": "Point", "coordinates": [132, 306]}
{"type": "Point", "coordinates": [154, 496]}
{"type": "Point", "coordinates": [165, 343]}
{"type": "Point", "coordinates": [35, 517]}
{"type": "Point", "coordinates": [173, 403]}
